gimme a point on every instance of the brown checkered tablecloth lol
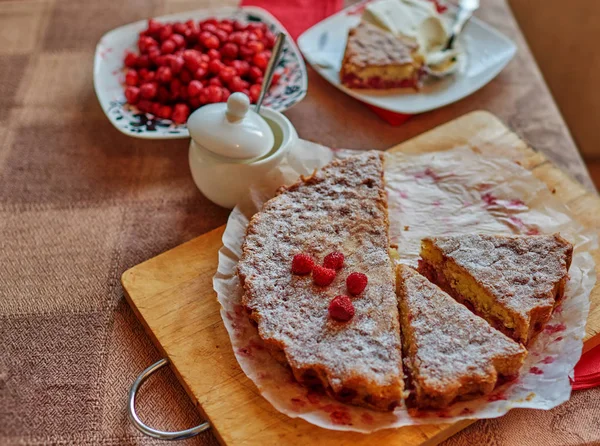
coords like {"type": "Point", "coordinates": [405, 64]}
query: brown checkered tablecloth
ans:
{"type": "Point", "coordinates": [80, 203]}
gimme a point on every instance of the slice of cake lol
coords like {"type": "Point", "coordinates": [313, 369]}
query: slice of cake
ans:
{"type": "Point", "coordinates": [349, 345]}
{"type": "Point", "coordinates": [449, 353]}
{"type": "Point", "coordinates": [375, 58]}
{"type": "Point", "coordinates": [514, 282]}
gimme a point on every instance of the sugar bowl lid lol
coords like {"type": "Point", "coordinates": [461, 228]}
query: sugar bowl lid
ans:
{"type": "Point", "coordinates": [231, 130]}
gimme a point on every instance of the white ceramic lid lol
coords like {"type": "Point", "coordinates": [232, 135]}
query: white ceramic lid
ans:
{"type": "Point", "coordinates": [231, 130]}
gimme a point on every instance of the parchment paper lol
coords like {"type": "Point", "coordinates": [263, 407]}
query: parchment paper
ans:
{"type": "Point", "coordinates": [454, 192]}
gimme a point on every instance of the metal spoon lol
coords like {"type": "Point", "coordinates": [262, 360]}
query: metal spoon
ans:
{"type": "Point", "coordinates": [268, 76]}
{"type": "Point", "coordinates": [466, 8]}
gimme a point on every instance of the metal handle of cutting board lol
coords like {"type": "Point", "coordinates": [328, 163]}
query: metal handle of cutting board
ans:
{"type": "Point", "coordinates": [144, 428]}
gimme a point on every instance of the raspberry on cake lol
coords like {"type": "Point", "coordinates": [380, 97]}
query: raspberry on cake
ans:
{"type": "Point", "coordinates": [375, 58]}
{"type": "Point", "coordinates": [350, 347]}
{"type": "Point", "coordinates": [450, 354]}
{"type": "Point", "coordinates": [514, 282]}
{"type": "Point", "coordinates": [334, 260]}
{"type": "Point", "coordinates": [341, 308]}
{"type": "Point", "coordinates": [323, 276]}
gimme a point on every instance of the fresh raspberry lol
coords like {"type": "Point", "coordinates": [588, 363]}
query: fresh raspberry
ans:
{"type": "Point", "coordinates": [341, 308]}
{"type": "Point", "coordinates": [333, 260]}
{"type": "Point", "coordinates": [323, 276]}
{"type": "Point", "coordinates": [356, 283]}
{"type": "Point", "coordinates": [302, 264]}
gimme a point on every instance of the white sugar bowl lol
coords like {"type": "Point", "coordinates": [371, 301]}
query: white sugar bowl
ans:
{"type": "Point", "coordinates": [233, 147]}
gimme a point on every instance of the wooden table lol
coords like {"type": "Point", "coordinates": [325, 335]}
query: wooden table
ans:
{"type": "Point", "coordinates": [80, 203]}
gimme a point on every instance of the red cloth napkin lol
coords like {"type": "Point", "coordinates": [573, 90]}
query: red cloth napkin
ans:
{"type": "Point", "coordinates": [299, 15]}
{"type": "Point", "coordinates": [587, 370]}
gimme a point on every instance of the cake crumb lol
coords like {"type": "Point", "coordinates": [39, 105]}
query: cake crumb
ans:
{"type": "Point", "coordinates": [406, 228]}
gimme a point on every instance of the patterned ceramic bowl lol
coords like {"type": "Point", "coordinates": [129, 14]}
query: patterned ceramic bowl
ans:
{"type": "Point", "coordinates": [109, 74]}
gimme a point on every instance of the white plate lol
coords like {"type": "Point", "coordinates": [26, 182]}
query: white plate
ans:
{"type": "Point", "coordinates": [487, 53]}
{"type": "Point", "coordinates": [109, 74]}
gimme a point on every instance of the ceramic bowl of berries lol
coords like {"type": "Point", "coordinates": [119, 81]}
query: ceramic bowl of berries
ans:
{"type": "Point", "coordinates": [151, 75]}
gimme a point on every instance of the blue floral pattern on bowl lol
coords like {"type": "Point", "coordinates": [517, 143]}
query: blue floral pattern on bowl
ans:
{"type": "Point", "coordinates": [108, 73]}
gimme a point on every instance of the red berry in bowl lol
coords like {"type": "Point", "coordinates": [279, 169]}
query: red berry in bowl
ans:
{"type": "Point", "coordinates": [261, 60]}
{"type": "Point", "coordinates": [180, 28]}
{"type": "Point", "coordinates": [146, 43]}
{"type": "Point", "coordinates": [131, 60]}
{"type": "Point", "coordinates": [200, 73]}
{"type": "Point", "coordinates": [239, 38]}
{"type": "Point", "coordinates": [213, 54]}
{"type": "Point", "coordinates": [144, 105]}
{"type": "Point", "coordinates": [254, 73]}
{"type": "Point", "coordinates": [176, 63]}
{"type": "Point", "coordinates": [148, 90]}
{"type": "Point", "coordinates": [215, 81]}
{"type": "Point", "coordinates": [246, 52]}
{"type": "Point", "coordinates": [132, 94]}
{"type": "Point", "coordinates": [181, 112]}
{"type": "Point", "coordinates": [238, 84]}
{"type": "Point", "coordinates": [269, 40]}
{"type": "Point", "coordinates": [212, 42]}
{"type": "Point", "coordinates": [356, 283]}
{"type": "Point", "coordinates": [255, 46]}
{"type": "Point", "coordinates": [154, 27]}
{"type": "Point", "coordinates": [132, 78]}
{"type": "Point", "coordinates": [168, 46]}
{"type": "Point", "coordinates": [221, 35]}
{"type": "Point", "coordinates": [227, 74]}
{"type": "Point", "coordinates": [229, 50]}
{"type": "Point", "coordinates": [165, 32]}
{"type": "Point", "coordinates": [185, 76]}
{"type": "Point", "coordinates": [215, 94]}
{"type": "Point", "coordinates": [165, 111]}
{"type": "Point", "coordinates": [334, 260]}
{"type": "Point", "coordinates": [210, 27]}
{"type": "Point", "coordinates": [323, 276]}
{"type": "Point", "coordinates": [164, 74]}
{"type": "Point", "coordinates": [162, 94]}
{"type": "Point", "coordinates": [302, 264]}
{"type": "Point", "coordinates": [225, 94]}
{"type": "Point", "coordinates": [178, 40]}
{"type": "Point", "coordinates": [227, 27]}
{"type": "Point", "coordinates": [194, 88]}
{"type": "Point", "coordinates": [241, 67]}
{"type": "Point", "coordinates": [254, 94]}
{"type": "Point", "coordinates": [143, 61]}
{"type": "Point", "coordinates": [214, 66]}
{"type": "Point", "coordinates": [276, 77]}
{"type": "Point", "coordinates": [341, 309]}
{"type": "Point", "coordinates": [238, 25]}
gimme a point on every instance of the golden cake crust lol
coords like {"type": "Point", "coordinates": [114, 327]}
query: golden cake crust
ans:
{"type": "Point", "coordinates": [523, 276]}
{"type": "Point", "coordinates": [449, 353]}
{"type": "Point", "coordinates": [342, 207]}
{"type": "Point", "coordinates": [375, 58]}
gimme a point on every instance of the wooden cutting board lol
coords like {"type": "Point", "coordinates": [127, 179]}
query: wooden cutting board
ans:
{"type": "Point", "coordinates": [172, 295]}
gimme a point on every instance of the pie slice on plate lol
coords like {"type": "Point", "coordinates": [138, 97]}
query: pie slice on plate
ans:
{"type": "Point", "coordinates": [340, 208]}
{"type": "Point", "coordinates": [375, 58]}
{"type": "Point", "coordinates": [449, 353]}
{"type": "Point", "coordinates": [514, 282]}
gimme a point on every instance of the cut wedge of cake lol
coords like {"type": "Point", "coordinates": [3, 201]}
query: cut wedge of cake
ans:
{"type": "Point", "coordinates": [514, 282]}
{"type": "Point", "coordinates": [449, 353]}
{"type": "Point", "coordinates": [375, 58]}
{"type": "Point", "coordinates": [340, 208]}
